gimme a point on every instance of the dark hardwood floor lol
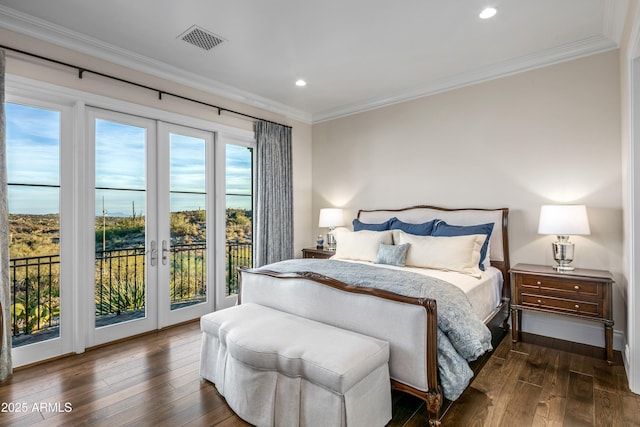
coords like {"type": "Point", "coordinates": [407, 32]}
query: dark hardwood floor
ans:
{"type": "Point", "coordinates": [153, 380]}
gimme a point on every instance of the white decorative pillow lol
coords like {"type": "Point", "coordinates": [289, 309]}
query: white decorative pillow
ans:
{"type": "Point", "coordinates": [359, 245]}
{"type": "Point", "coordinates": [455, 253]}
{"type": "Point", "coordinates": [487, 259]}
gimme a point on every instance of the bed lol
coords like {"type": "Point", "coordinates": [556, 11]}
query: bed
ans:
{"type": "Point", "coordinates": [411, 324]}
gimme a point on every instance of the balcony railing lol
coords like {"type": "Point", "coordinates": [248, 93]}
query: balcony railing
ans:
{"type": "Point", "coordinates": [120, 284]}
{"type": "Point", "coordinates": [188, 274]}
{"type": "Point", "coordinates": [238, 254]}
{"type": "Point", "coordinates": [35, 293]}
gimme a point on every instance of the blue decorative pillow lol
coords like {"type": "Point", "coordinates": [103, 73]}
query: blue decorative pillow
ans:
{"type": "Point", "coordinates": [392, 254]}
{"type": "Point", "coordinates": [441, 228]}
{"type": "Point", "coordinates": [424, 229]}
{"type": "Point", "coordinates": [359, 225]}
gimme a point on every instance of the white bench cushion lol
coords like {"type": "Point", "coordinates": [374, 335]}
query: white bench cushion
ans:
{"type": "Point", "coordinates": [270, 339]}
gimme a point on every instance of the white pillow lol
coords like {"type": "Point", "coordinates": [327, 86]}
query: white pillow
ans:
{"type": "Point", "coordinates": [455, 253]}
{"type": "Point", "coordinates": [487, 259]}
{"type": "Point", "coordinates": [359, 245]}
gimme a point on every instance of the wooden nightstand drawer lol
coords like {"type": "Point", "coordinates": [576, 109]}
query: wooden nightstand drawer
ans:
{"type": "Point", "coordinates": [317, 253]}
{"type": "Point", "coordinates": [558, 286]}
{"type": "Point", "coordinates": [584, 308]}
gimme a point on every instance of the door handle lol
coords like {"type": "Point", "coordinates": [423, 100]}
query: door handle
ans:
{"type": "Point", "coordinates": [165, 252]}
{"type": "Point", "coordinates": [154, 253]}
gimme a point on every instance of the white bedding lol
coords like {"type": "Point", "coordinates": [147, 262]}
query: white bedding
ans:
{"type": "Point", "coordinates": [484, 293]}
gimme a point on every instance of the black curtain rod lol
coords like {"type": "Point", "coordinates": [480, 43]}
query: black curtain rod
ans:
{"type": "Point", "coordinates": [82, 70]}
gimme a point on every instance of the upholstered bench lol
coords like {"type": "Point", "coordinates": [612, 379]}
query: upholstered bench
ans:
{"type": "Point", "coordinates": [277, 369]}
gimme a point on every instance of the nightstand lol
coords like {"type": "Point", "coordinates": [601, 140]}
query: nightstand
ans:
{"type": "Point", "coordinates": [317, 253]}
{"type": "Point", "coordinates": [581, 293]}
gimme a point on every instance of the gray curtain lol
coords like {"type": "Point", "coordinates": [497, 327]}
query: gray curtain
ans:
{"type": "Point", "coordinates": [274, 195]}
{"type": "Point", "coordinates": [5, 290]}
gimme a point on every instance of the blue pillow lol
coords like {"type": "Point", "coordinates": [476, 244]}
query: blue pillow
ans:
{"type": "Point", "coordinates": [359, 225]}
{"type": "Point", "coordinates": [424, 229]}
{"type": "Point", "coordinates": [392, 254]}
{"type": "Point", "coordinates": [441, 228]}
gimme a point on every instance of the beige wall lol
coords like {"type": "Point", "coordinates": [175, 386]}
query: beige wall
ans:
{"type": "Point", "coordinates": [550, 135]}
{"type": "Point", "coordinates": [44, 71]}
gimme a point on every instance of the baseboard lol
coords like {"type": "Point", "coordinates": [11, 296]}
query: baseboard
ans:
{"type": "Point", "coordinates": [569, 329]}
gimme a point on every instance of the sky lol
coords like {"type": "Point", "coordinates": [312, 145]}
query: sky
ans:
{"type": "Point", "coordinates": [33, 157]}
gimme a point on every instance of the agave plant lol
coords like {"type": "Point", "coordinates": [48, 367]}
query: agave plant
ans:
{"type": "Point", "coordinates": [34, 316]}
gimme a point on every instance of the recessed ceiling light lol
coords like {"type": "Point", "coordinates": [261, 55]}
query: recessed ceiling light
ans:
{"type": "Point", "coordinates": [301, 83]}
{"type": "Point", "coordinates": [488, 13]}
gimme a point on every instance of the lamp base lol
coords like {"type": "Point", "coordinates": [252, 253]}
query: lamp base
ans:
{"type": "Point", "coordinates": [331, 240]}
{"type": "Point", "coordinates": [563, 267]}
{"type": "Point", "coordinates": [563, 254]}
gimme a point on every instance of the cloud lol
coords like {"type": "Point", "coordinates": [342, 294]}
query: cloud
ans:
{"type": "Point", "coordinates": [40, 125]}
{"type": "Point", "coordinates": [33, 153]}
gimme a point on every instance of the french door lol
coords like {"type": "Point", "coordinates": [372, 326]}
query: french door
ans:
{"type": "Point", "coordinates": [120, 223]}
{"type": "Point", "coordinates": [39, 178]}
{"type": "Point", "coordinates": [186, 212]}
{"type": "Point", "coordinates": [151, 256]}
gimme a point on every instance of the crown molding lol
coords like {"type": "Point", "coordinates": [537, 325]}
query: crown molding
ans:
{"type": "Point", "coordinates": [31, 26]}
{"type": "Point", "coordinates": [615, 13]}
{"type": "Point", "coordinates": [613, 25]}
{"type": "Point", "coordinates": [585, 47]}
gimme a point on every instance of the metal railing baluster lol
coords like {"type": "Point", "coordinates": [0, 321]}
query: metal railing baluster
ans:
{"type": "Point", "coordinates": [35, 282]}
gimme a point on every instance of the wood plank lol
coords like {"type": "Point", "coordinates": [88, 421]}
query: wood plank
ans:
{"type": "Point", "coordinates": [178, 411]}
{"type": "Point", "coordinates": [605, 377]}
{"type": "Point", "coordinates": [607, 408]}
{"type": "Point", "coordinates": [491, 389]}
{"type": "Point", "coordinates": [404, 407]}
{"type": "Point", "coordinates": [522, 405]}
{"type": "Point", "coordinates": [220, 416]}
{"type": "Point", "coordinates": [472, 408]}
{"type": "Point", "coordinates": [503, 349]}
{"type": "Point", "coordinates": [580, 400]}
{"type": "Point", "coordinates": [417, 420]}
{"type": "Point", "coordinates": [536, 366]}
{"type": "Point", "coordinates": [581, 364]}
{"type": "Point", "coordinates": [630, 409]}
{"type": "Point", "coordinates": [553, 396]}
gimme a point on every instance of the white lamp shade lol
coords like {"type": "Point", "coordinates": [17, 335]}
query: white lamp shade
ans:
{"type": "Point", "coordinates": [564, 220]}
{"type": "Point", "coordinates": [331, 217]}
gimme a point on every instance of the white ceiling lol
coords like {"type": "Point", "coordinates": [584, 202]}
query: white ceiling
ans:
{"type": "Point", "coordinates": [354, 54]}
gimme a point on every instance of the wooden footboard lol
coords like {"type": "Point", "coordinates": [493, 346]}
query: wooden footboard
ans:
{"type": "Point", "coordinates": [433, 395]}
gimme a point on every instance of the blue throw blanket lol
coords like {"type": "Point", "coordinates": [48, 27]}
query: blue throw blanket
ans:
{"type": "Point", "coordinates": [462, 336]}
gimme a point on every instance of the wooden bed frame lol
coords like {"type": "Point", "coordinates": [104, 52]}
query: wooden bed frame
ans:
{"type": "Point", "coordinates": [436, 404]}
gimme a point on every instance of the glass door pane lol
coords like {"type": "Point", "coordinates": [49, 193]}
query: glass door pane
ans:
{"type": "Point", "coordinates": [120, 222]}
{"type": "Point", "coordinates": [239, 213]}
{"type": "Point", "coordinates": [33, 176]}
{"type": "Point", "coordinates": [188, 221]}
{"type": "Point", "coordinates": [185, 178]}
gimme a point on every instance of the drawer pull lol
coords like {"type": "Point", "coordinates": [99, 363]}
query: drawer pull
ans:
{"type": "Point", "coordinates": [539, 302]}
{"type": "Point", "coordinates": [538, 283]}
{"type": "Point", "coordinates": [576, 287]}
{"type": "Point", "coordinates": [577, 306]}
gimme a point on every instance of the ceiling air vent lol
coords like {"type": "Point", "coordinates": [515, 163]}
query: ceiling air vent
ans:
{"type": "Point", "coordinates": [200, 37]}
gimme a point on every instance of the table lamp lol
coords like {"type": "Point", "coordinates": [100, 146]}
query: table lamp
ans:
{"type": "Point", "coordinates": [563, 221]}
